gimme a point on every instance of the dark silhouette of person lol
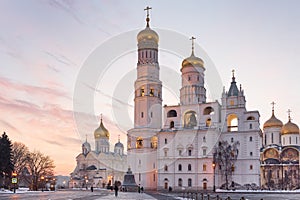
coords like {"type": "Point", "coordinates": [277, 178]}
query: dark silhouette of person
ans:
{"type": "Point", "coordinates": [92, 188]}
{"type": "Point", "coordinates": [116, 190]}
{"type": "Point", "coordinates": [139, 188]}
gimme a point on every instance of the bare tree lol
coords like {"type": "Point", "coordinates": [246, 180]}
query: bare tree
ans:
{"type": "Point", "coordinates": [39, 166]}
{"type": "Point", "coordinates": [224, 156]}
{"type": "Point", "coordinates": [20, 154]}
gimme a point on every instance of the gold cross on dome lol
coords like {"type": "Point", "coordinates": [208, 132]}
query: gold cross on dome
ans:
{"type": "Point", "coordinates": [193, 43]}
{"type": "Point", "coordinates": [289, 114]}
{"type": "Point", "coordinates": [147, 9]}
{"type": "Point", "coordinates": [273, 104]}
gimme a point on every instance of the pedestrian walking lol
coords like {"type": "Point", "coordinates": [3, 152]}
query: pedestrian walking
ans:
{"type": "Point", "coordinates": [92, 189]}
{"type": "Point", "coordinates": [116, 190]}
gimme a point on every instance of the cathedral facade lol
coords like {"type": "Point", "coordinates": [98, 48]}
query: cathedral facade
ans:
{"type": "Point", "coordinates": [99, 167]}
{"type": "Point", "coordinates": [179, 153]}
{"type": "Point", "coordinates": [280, 155]}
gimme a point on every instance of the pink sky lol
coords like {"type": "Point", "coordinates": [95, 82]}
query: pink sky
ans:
{"type": "Point", "coordinates": [44, 45]}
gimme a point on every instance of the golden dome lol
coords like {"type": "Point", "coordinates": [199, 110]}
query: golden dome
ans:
{"type": "Point", "coordinates": [147, 34]}
{"type": "Point", "coordinates": [289, 128]}
{"type": "Point", "coordinates": [273, 122]}
{"type": "Point", "coordinates": [101, 132]}
{"type": "Point", "coordinates": [193, 60]}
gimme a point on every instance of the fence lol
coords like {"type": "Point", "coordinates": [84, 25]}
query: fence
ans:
{"type": "Point", "coordinates": [203, 196]}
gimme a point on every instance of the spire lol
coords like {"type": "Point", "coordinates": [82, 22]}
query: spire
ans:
{"type": "Point", "coordinates": [193, 44]}
{"type": "Point", "coordinates": [233, 78]}
{"type": "Point", "coordinates": [119, 138]}
{"type": "Point", "coordinates": [85, 137]}
{"type": "Point", "coordinates": [147, 19]}
{"type": "Point", "coordinates": [233, 90]}
{"type": "Point", "coordinates": [289, 115]}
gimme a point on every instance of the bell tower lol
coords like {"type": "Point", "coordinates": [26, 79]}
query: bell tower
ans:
{"type": "Point", "coordinates": [142, 139]}
{"type": "Point", "coordinates": [148, 87]}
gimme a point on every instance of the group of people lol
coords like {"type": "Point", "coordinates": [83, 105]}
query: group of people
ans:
{"type": "Point", "coordinates": [116, 189]}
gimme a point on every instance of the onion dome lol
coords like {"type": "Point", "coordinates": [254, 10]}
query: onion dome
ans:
{"type": "Point", "coordinates": [86, 145]}
{"type": "Point", "coordinates": [101, 131]}
{"type": "Point", "coordinates": [192, 60]}
{"type": "Point", "coordinates": [147, 34]}
{"type": "Point", "coordinates": [289, 128]}
{"type": "Point", "coordinates": [273, 122]}
{"type": "Point", "coordinates": [119, 144]}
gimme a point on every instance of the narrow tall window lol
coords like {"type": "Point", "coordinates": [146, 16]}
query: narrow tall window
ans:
{"type": "Point", "coordinates": [290, 140]}
{"type": "Point", "coordinates": [180, 167]}
{"type": "Point", "coordinates": [139, 176]}
{"type": "Point", "coordinates": [142, 92]}
{"type": "Point", "coordinates": [151, 114]}
{"type": "Point", "coordinates": [189, 182]}
{"type": "Point", "coordinates": [190, 152]}
{"type": "Point", "coordinates": [272, 138]}
{"type": "Point", "coordinates": [151, 92]}
{"type": "Point", "coordinates": [189, 167]}
{"type": "Point", "coordinates": [251, 154]}
{"type": "Point", "coordinates": [265, 139]}
{"type": "Point", "coordinates": [204, 167]}
{"type": "Point", "coordinates": [251, 167]}
{"type": "Point", "coordinates": [250, 138]}
{"type": "Point", "coordinates": [204, 152]}
{"type": "Point", "coordinates": [166, 141]}
{"type": "Point", "coordinates": [142, 114]}
{"type": "Point", "coordinates": [250, 126]}
{"type": "Point", "coordinates": [154, 177]}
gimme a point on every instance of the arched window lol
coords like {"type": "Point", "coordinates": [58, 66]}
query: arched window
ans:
{"type": "Point", "coordinates": [208, 111]}
{"type": "Point", "coordinates": [250, 126]}
{"type": "Point", "coordinates": [180, 182]}
{"type": "Point", "coordinates": [154, 142]}
{"type": "Point", "coordinates": [250, 138]}
{"type": "Point", "coordinates": [204, 167]}
{"type": "Point", "coordinates": [232, 123]}
{"type": "Point", "coordinates": [172, 113]}
{"type": "Point", "coordinates": [142, 91]}
{"type": "Point", "coordinates": [139, 142]}
{"type": "Point", "coordinates": [189, 182]}
{"type": "Point", "coordinates": [180, 167]}
{"type": "Point", "coordinates": [208, 122]}
{"type": "Point", "coordinates": [190, 119]}
{"type": "Point", "coordinates": [166, 168]}
{"type": "Point", "coordinates": [189, 167]}
{"type": "Point", "coordinates": [172, 124]}
{"type": "Point", "coordinates": [190, 152]}
{"type": "Point", "coordinates": [151, 92]}
{"type": "Point", "coordinates": [166, 141]}
{"type": "Point", "coordinates": [251, 118]}
{"type": "Point", "coordinates": [251, 167]}
{"type": "Point", "coordinates": [204, 139]}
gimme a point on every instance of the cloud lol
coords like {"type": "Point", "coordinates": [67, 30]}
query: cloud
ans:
{"type": "Point", "coordinates": [108, 96]}
{"type": "Point", "coordinates": [31, 90]}
{"type": "Point", "coordinates": [7, 125]}
{"type": "Point", "coordinates": [67, 7]}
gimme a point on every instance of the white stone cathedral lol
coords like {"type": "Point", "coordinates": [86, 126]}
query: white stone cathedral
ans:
{"type": "Point", "coordinates": [99, 167]}
{"type": "Point", "coordinates": [179, 153]}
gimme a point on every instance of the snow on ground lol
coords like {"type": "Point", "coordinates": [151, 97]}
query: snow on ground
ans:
{"type": "Point", "coordinates": [259, 191]}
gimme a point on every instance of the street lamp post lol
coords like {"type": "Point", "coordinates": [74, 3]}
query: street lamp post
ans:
{"type": "Point", "coordinates": [214, 168]}
{"type": "Point", "coordinates": [42, 179]}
